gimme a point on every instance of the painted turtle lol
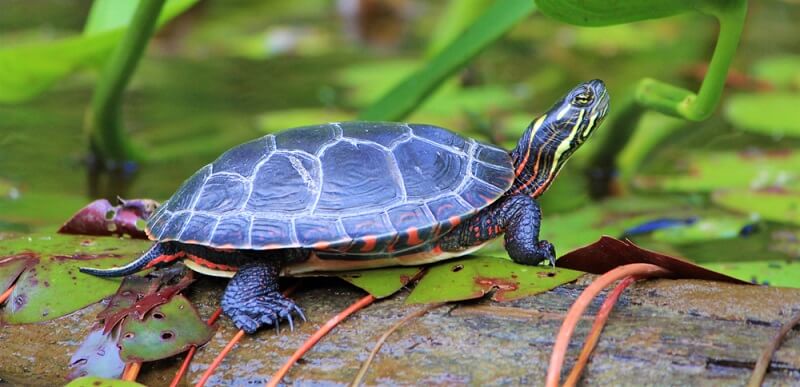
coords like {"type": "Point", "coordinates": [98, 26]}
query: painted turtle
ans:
{"type": "Point", "coordinates": [355, 195]}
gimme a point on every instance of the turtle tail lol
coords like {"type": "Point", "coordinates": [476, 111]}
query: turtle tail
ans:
{"type": "Point", "coordinates": [145, 261]}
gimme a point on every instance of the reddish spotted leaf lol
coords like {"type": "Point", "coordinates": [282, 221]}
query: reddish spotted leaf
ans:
{"type": "Point", "coordinates": [139, 295]}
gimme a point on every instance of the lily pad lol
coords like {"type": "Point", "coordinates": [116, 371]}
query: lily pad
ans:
{"type": "Point", "coordinates": [776, 205]}
{"type": "Point", "coordinates": [51, 285]}
{"type": "Point", "coordinates": [703, 230]}
{"type": "Point", "coordinates": [754, 170]}
{"type": "Point", "coordinates": [137, 295]}
{"type": "Point", "coordinates": [167, 330]}
{"type": "Point", "coordinates": [98, 355]}
{"type": "Point", "coordinates": [782, 71]}
{"type": "Point", "coordinates": [381, 282]}
{"type": "Point", "coordinates": [771, 114]}
{"type": "Point", "coordinates": [474, 277]}
{"type": "Point", "coordinates": [772, 273]}
{"type": "Point", "coordinates": [93, 381]}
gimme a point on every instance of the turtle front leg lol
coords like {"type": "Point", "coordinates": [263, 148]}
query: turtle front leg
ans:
{"type": "Point", "coordinates": [517, 216]}
{"type": "Point", "coordinates": [252, 299]}
{"type": "Point", "coordinates": [522, 218]}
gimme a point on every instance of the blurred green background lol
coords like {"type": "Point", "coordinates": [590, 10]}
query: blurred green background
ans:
{"type": "Point", "coordinates": [223, 72]}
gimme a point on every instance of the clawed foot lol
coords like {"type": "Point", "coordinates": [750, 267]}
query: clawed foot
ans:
{"type": "Point", "coordinates": [548, 251]}
{"type": "Point", "coordinates": [251, 314]}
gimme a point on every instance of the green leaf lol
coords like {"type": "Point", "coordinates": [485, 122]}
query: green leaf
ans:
{"type": "Point", "coordinates": [500, 17]}
{"type": "Point", "coordinates": [28, 70]}
{"type": "Point", "coordinates": [93, 381]}
{"type": "Point", "coordinates": [781, 71]}
{"type": "Point", "coordinates": [381, 282]}
{"type": "Point", "coordinates": [107, 15]}
{"type": "Point", "coordinates": [52, 272]}
{"type": "Point", "coordinates": [773, 114]}
{"type": "Point", "coordinates": [706, 229]}
{"type": "Point", "coordinates": [604, 13]}
{"type": "Point", "coordinates": [166, 331]}
{"type": "Point", "coordinates": [473, 277]}
{"type": "Point", "coordinates": [772, 273]}
{"type": "Point", "coordinates": [778, 206]}
{"type": "Point", "coordinates": [711, 171]}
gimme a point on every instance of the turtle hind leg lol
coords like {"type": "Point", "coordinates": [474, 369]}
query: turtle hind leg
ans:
{"type": "Point", "coordinates": [252, 299]}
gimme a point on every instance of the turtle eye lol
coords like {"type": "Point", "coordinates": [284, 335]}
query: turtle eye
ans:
{"type": "Point", "coordinates": [583, 98]}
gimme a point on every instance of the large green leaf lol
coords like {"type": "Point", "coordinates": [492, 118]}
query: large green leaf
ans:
{"type": "Point", "coordinates": [772, 273]}
{"type": "Point", "coordinates": [494, 23]}
{"type": "Point", "coordinates": [711, 171]}
{"type": "Point", "coordinates": [473, 277]}
{"type": "Point", "coordinates": [51, 285]}
{"type": "Point", "coordinates": [28, 70]}
{"type": "Point", "coordinates": [166, 331]}
{"type": "Point", "coordinates": [778, 206]}
{"type": "Point", "coordinates": [381, 282]}
{"type": "Point", "coordinates": [604, 13]}
{"type": "Point", "coordinates": [782, 71]}
{"type": "Point", "coordinates": [773, 114]}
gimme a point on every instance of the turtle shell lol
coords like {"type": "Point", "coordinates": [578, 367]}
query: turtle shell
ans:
{"type": "Point", "coordinates": [352, 188]}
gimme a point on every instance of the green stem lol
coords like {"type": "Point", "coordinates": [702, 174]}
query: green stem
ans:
{"type": "Point", "coordinates": [731, 24]}
{"type": "Point", "coordinates": [685, 104]}
{"type": "Point", "coordinates": [105, 124]}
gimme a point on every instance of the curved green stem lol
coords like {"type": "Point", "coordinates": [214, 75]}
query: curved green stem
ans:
{"type": "Point", "coordinates": [683, 103]}
{"type": "Point", "coordinates": [106, 132]}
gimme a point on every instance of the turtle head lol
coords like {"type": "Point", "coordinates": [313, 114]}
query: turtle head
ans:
{"type": "Point", "coordinates": [551, 139]}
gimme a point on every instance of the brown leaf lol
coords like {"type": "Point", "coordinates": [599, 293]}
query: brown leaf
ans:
{"type": "Point", "coordinates": [609, 253]}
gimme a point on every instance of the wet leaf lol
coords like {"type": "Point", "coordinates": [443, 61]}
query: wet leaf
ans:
{"type": "Point", "coordinates": [473, 277]}
{"type": "Point", "coordinates": [772, 273]}
{"type": "Point", "coordinates": [138, 295]}
{"type": "Point", "coordinates": [609, 253]}
{"type": "Point", "coordinates": [754, 169]}
{"type": "Point", "coordinates": [604, 13]}
{"type": "Point", "coordinates": [93, 381]}
{"type": "Point", "coordinates": [98, 355]}
{"type": "Point", "coordinates": [771, 114]}
{"type": "Point", "coordinates": [381, 282]}
{"type": "Point", "coordinates": [776, 205]}
{"type": "Point", "coordinates": [102, 219]}
{"type": "Point", "coordinates": [51, 285]}
{"type": "Point", "coordinates": [167, 330]}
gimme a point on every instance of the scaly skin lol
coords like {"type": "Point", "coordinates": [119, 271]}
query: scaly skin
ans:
{"type": "Point", "coordinates": [252, 298]}
{"type": "Point", "coordinates": [518, 216]}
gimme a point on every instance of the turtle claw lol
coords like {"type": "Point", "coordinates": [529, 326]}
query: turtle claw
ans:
{"type": "Point", "coordinates": [250, 315]}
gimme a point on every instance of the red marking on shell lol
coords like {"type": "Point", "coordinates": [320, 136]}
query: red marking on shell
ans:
{"type": "Point", "coordinates": [211, 265]}
{"type": "Point", "coordinates": [273, 246]}
{"type": "Point", "coordinates": [413, 236]}
{"type": "Point", "coordinates": [454, 220]}
{"type": "Point", "coordinates": [369, 243]}
{"type": "Point", "coordinates": [321, 246]}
